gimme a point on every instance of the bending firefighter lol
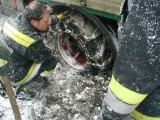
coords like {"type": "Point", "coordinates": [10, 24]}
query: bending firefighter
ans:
{"type": "Point", "coordinates": [30, 61]}
{"type": "Point", "coordinates": [134, 90]}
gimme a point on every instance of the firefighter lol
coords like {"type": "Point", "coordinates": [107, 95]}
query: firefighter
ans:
{"type": "Point", "coordinates": [134, 89]}
{"type": "Point", "coordinates": [31, 62]}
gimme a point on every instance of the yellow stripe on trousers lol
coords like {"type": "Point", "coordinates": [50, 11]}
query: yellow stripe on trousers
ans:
{"type": "Point", "coordinates": [32, 72]}
{"type": "Point", "coordinates": [138, 116]}
{"type": "Point", "coordinates": [124, 94]}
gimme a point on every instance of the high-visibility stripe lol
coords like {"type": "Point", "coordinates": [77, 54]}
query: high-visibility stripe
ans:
{"type": "Point", "coordinates": [117, 105]}
{"type": "Point", "coordinates": [139, 116]}
{"type": "Point", "coordinates": [125, 94]}
{"type": "Point", "coordinates": [3, 62]}
{"type": "Point", "coordinates": [32, 72]}
{"type": "Point", "coordinates": [17, 36]}
{"type": "Point", "coordinates": [46, 73]}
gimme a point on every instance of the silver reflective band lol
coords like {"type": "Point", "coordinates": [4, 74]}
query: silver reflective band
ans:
{"type": "Point", "coordinates": [29, 78]}
{"type": "Point", "coordinates": [117, 105]}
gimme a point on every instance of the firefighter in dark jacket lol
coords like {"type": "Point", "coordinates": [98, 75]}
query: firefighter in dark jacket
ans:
{"type": "Point", "coordinates": [31, 62]}
{"type": "Point", "coordinates": [135, 85]}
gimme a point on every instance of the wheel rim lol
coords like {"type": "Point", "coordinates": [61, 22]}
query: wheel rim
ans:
{"type": "Point", "coordinates": [73, 55]}
{"type": "Point", "coordinates": [95, 40]}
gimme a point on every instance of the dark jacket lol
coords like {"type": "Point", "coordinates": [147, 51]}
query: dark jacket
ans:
{"type": "Point", "coordinates": [23, 55]}
{"type": "Point", "coordinates": [4, 65]}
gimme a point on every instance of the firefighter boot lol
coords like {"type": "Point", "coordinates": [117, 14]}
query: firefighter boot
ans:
{"type": "Point", "coordinates": [30, 89]}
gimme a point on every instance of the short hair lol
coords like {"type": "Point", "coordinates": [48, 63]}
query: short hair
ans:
{"type": "Point", "coordinates": [35, 11]}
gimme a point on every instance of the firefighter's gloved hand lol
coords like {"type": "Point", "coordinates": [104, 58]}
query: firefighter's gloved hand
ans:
{"type": "Point", "coordinates": [59, 16]}
{"type": "Point", "coordinates": [55, 21]}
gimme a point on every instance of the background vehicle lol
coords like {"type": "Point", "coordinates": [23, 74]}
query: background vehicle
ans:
{"type": "Point", "coordinates": [86, 34]}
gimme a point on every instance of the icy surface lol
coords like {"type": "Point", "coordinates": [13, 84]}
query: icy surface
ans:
{"type": "Point", "coordinates": [67, 96]}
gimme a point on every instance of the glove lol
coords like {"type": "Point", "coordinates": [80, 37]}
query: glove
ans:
{"type": "Point", "coordinates": [59, 16]}
{"type": "Point", "coordinates": [54, 20]}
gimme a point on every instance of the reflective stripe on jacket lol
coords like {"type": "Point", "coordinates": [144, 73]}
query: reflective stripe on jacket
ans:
{"type": "Point", "coordinates": [17, 36]}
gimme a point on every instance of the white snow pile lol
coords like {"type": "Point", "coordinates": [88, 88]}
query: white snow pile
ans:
{"type": "Point", "coordinates": [67, 96]}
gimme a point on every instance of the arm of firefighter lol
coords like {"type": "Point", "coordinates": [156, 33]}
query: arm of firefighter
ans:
{"type": "Point", "coordinates": [54, 20]}
{"type": "Point", "coordinates": [4, 60]}
{"type": "Point", "coordinates": [38, 52]}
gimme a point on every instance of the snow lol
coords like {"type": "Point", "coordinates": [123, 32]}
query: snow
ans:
{"type": "Point", "coordinates": [67, 96]}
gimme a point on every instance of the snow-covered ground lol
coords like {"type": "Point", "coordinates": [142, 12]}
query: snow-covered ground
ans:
{"type": "Point", "coordinates": [67, 96]}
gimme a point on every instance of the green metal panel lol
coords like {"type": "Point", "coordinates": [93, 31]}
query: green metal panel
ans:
{"type": "Point", "coordinates": [95, 12]}
{"type": "Point", "coordinates": [103, 14]}
{"type": "Point", "coordinates": [108, 6]}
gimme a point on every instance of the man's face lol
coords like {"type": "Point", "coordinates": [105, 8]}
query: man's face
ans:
{"type": "Point", "coordinates": [44, 23]}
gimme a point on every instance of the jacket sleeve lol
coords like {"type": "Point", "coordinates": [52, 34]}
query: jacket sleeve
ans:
{"type": "Point", "coordinates": [4, 60]}
{"type": "Point", "coordinates": [38, 52]}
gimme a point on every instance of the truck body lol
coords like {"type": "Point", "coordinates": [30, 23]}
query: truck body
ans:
{"type": "Point", "coordinates": [87, 37]}
{"type": "Point", "coordinates": [105, 8]}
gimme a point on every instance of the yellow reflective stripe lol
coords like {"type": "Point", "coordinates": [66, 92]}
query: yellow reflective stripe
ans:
{"type": "Point", "coordinates": [3, 62]}
{"type": "Point", "coordinates": [28, 75]}
{"type": "Point", "coordinates": [138, 116]}
{"type": "Point", "coordinates": [48, 72]}
{"type": "Point", "coordinates": [17, 36]}
{"type": "Point", "coordinates": [59, 16]}
{"type": "Point", "coordinates": [126, 95]}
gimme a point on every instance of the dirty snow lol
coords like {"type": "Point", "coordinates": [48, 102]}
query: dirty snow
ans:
{"type": "Point", "coordinates": [67, 96]}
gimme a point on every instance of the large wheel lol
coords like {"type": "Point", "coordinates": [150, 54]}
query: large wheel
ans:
{"type": "Point", "coordinates": [85, 43]}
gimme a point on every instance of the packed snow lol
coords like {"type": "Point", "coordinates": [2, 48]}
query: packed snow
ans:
{"type": "Point", "coordinates": [66, 96]}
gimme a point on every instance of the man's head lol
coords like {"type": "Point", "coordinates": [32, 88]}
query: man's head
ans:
{"type": "Point", "coordinates": [38, 14]}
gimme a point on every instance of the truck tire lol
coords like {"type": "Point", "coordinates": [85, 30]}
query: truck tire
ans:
{"type": "Point", "coordinates": [85, 43]}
